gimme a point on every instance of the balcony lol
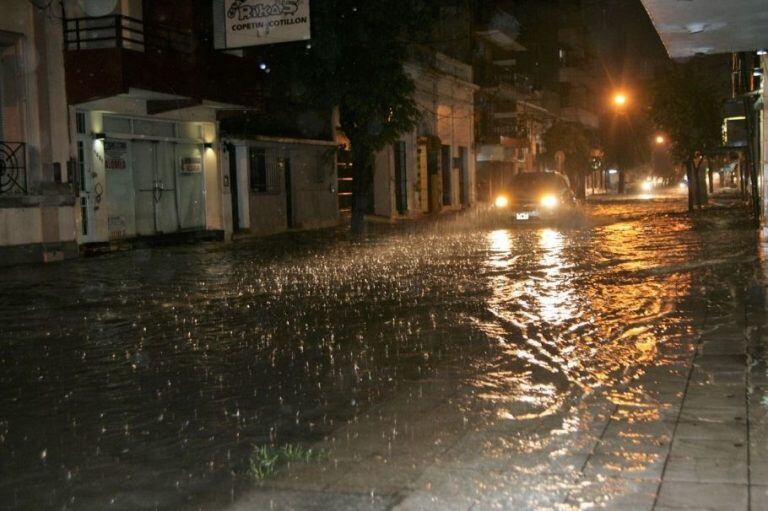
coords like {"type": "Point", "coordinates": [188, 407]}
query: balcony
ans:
{"type": "Point", "coordinates": [110, 55]}
{"type": "Point", "coordinates": [440, 62]}
{"type": "Point", "coordinates": [496, 76]}
{"type": "Point", "coordinates": [502, 30]}
{"type": "Point", "coordinates": [13, 168]}
{"type": "Point", "coordinates": [572, 37]}
{"type": "Point", "coordinates": [120, 31]}
{"type": "Point", "coordinates": [575, 75]}
{"type": "Point", "coordinates": [580, 116]}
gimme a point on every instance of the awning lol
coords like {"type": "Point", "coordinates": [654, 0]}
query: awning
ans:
{"type": "Point", "coordinates": [691, 27]}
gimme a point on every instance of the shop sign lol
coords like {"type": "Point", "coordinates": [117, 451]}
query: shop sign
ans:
{"type": "Point", "coordinates": [259, 22]}
{"type": "Point", "coordinates": [191, 165]}
{"type": "Point", "coordinates": [115, 154]}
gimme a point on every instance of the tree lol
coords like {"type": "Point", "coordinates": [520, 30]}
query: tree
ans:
{"type": "Point", "coordinates": [355, 62]}
{"type": "Point", "coordinates": [574, 141]}
{"type": "Point", "coordinates": [688, 109]}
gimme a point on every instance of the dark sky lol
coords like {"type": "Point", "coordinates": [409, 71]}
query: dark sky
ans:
{"type": "Point", "coordinates": [628, 47]}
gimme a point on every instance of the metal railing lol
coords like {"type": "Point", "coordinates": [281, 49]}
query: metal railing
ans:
{"type": "Point", "coordinates": [118, 31]}
{"type": "Point", "coordinates": [13, 168]}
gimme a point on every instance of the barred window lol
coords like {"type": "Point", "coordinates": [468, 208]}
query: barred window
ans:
{"type": "Point", "coordinates": [264, 175]}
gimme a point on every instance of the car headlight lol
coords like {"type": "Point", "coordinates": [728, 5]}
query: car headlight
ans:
{"type": "Point", "coordinates": [549, 201]}
{"type": "Point", "coordinates": [501, 202]}
{"type": "Point", "coordinates": [647, 186]}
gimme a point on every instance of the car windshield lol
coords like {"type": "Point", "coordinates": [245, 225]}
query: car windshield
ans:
{"type": "Point", "coordinates": [537, 182]}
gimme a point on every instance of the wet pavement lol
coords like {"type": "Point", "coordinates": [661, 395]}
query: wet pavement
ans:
{"type": "Point", "coordinates": [615, 363]}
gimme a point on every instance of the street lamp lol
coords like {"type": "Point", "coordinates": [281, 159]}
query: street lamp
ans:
{"type": "Point", "coordinates": [620, 99]}
{"type": "Point", "coordinates": [619, 102]}
{"type": "Point", "coordinates": [660, 139]}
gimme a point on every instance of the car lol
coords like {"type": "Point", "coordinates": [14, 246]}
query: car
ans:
{"type": "Point", "coordinates": [536, 196]}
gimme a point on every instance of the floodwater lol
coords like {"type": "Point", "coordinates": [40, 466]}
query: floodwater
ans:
{"type": "Point", "coordinates": [142, 380]}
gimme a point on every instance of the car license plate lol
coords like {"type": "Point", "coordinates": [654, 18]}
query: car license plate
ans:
{"type": "Point", "coordinates": [522, 216]}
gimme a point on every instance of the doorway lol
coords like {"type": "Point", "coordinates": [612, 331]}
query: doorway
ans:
{"type": "Point", "coordinates": [446, 168]}
{"type": "Point", "coordinates": [463, 176]}
{"type": "Point", "coordinates": [401, 178]}
{"type": "Point", "coordinates": [286, 163]}
{"type": "Point", "coordinates": [234, 187]}
{"type": "Point", "coordinates": [434, 177]}
{"type": "Point", "coordinates": [156, 185]}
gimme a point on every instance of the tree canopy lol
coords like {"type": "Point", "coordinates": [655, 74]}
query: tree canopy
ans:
{"type": "Point", "coordinates": [689, 110]}
{"type": "Point", "coordinates": [574, 141]}
{"type": "Point", "coordinates": [355, 62]}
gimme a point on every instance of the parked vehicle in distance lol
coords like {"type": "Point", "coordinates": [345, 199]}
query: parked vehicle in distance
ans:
{"type": "Point", "coordinates": [537, 196]}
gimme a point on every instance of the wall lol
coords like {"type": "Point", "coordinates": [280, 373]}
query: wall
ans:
{"type": "Point", "coordinates": [43, 219]}
{"type": "Point", "coordinates": [313, 182]}
{"type": "Point", "coordinates": [384, 183]}
{"type": "Point", "coordinates": [111, 192]}
{"type": "Point", "coordinates": [764, 137]}
{"type": "Point", "coordinates": [446, 104]}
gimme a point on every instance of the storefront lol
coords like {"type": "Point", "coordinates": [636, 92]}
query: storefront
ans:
{"type": "Point", "coordinates": [141, 177]}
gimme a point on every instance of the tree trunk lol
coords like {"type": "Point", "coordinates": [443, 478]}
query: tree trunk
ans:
{"type": "Point", "coordinates": [701, 184]}
{"type": "Point", "coordinates": [691, 185]}
{"type": "Point", "coordinates": [581, 194]}
{"type": "Point", "coordinates": [742, 176]}
{"type": "Point", "coordinates": [362, 164]}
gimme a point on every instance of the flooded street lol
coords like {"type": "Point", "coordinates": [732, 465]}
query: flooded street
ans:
{"type": "Point", "coordinates": [144, 379]}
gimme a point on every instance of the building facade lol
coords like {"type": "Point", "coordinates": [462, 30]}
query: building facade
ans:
{"type": "Point", "coordinates": [145, 122]}
{"type": "Point", "coordinates": [432, 168]}
{"type": "Point", "coordinates": [148, 95]}
{"type": "Point", "coordinates": [511, 114]}
{"type": "Point", "coordinates": [282, 183]}
{"type": "Point", "coordinates": [37, 206]}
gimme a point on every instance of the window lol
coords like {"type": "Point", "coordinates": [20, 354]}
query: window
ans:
{"type": "Point", "coordinates": [11, 93]}
{"type": "Point", "coordinates": [262, 165]}
{"type": "Point", "coordinates": [80, 122]}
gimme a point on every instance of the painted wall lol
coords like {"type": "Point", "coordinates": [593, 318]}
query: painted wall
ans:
{"type": "Point", "coordinates": [37, 115]}
{"type": "Point", "coordinates": [446, 104]}
{"type": "Point", "coordinates": [313, 182]}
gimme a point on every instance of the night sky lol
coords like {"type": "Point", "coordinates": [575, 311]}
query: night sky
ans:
{"type": "Point", "coordinates": [629, 49]}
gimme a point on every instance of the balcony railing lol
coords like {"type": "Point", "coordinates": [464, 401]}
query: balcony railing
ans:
{"type": "Point", "coordinates": [13, 168]}
{"type": "Point", "coordinates": [493, 76]}
{"type": "Point", "coordinates": [118, 31]}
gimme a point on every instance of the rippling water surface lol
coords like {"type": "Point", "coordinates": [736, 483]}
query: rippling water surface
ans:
{"type": "Point", "coordinates": [141, 380]}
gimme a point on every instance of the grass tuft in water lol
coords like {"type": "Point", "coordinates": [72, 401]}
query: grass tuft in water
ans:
{"type": "Point", "coordinates": [266, 459]}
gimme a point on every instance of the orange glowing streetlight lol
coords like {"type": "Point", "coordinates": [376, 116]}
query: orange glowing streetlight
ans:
{"type": "Point", "coordinates": [660, 140]}
{"type": "Point", "coordinates": [620, 99]}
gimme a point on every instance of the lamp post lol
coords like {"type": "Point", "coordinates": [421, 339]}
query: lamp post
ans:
{"type": "Point", "coordinates": [620, 102]}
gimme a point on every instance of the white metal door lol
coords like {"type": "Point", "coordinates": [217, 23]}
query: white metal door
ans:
{"type": "Point", "coordinates": [155, 184]}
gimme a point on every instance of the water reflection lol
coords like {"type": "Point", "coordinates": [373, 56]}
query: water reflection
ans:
{"type": "Point", "coordinates": [555, 294]}
{"type": "Point", "coordinates": [567, 316]}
